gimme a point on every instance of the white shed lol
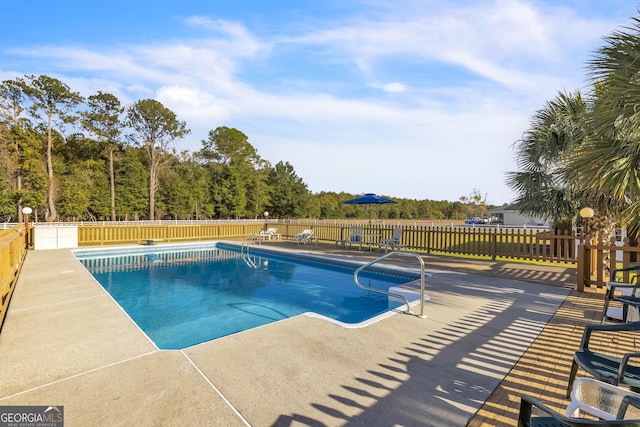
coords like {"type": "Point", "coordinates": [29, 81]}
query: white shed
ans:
{"type": "Point", "coordinates": [510, 215]}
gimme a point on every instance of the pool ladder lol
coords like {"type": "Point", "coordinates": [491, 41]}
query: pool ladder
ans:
{"type": "Point", "coordinates": [366, 288]}
{"type": "Point", "coordinates": [250, 239]}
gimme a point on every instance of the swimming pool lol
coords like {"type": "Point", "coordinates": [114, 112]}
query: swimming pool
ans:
{"type": "Point", "coordinates": [182, 295]}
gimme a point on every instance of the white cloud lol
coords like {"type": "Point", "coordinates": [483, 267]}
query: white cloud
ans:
{"type": "Point", "coordinates": [508, 41]}
{"type": "Point", "coordinates": [394, 87]}
{"type": "Point", "coordinates": [195, 105]}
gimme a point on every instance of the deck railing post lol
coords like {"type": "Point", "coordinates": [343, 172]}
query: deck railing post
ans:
{"type": "Point", "coordinates": [581, 268]}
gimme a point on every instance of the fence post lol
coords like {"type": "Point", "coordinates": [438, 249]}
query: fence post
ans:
{"type": "Point", "coordinates": [613, 262]}
{"type": "Point", "coordinates": [493, 246]}
{"type": "Point", "coordinates": [582, 265]}
{"type": "Point", "coordinates": [596, 269]}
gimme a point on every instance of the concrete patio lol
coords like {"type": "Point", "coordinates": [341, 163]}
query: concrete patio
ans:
{"type": "Point", "coordinates": [66, 342]}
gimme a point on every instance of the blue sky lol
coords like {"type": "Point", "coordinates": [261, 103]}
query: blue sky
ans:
{"type": "Point", "coordinates": [417, 99]}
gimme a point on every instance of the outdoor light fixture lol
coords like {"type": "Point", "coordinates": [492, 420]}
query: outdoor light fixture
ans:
{"type": "Point", "coordinates": [26, 211]}
{"type": "Point", "coordinates": [266, 217]}
{"type": "Point", "coordinates": [586, 213]}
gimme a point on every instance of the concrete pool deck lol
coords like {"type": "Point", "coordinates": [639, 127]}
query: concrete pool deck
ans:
{"type": "Point", "coordinates": [66, 342]}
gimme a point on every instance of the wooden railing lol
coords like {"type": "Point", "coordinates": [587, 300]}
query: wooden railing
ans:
{"type": "Point", "coordinates": [12, 252]}
{"type": "Point", "coordinates": [598, 258]}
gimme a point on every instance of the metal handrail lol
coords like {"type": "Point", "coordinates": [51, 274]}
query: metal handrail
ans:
{"type": "Point", "coordinates": [359, 269]}
{"type": "Point", "coordinates": [246, 257]}
{"type": "Point", "coordinates": [249, 239]}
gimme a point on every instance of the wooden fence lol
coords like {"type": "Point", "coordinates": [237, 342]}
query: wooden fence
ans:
{"type": "Point", "coordinates": [12, 252]}
{"type": "Point", "coordinates": [489, 242]}
{"type": "Point", "coordinates": [114, 234]}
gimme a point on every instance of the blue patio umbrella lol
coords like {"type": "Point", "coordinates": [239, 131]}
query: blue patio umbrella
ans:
{"type": "Point", "coordinates": [368, 199]}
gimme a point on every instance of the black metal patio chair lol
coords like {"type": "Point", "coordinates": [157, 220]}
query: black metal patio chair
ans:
{"type": "Point", "coordinates": [604, 367]}
{"type": "Point", "coordinates": [615, 287]}
{"type": "Point", "coordinates": [555, 419]}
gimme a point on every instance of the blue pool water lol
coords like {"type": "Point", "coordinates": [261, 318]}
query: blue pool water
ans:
{"type": "Point", "coordinates": [185, 295]}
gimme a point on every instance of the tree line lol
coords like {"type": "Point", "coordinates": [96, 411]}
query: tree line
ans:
{"type": "Point", "coordinates": [74, 158]}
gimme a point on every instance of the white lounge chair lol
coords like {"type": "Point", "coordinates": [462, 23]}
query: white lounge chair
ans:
{"type": "Point", "coordinates": [268, 233]}
{"type": "Point", "coordinates": [354, 237]}
{"type": "Point", "coordinates": [394, 241]}
{"type": "Point", "coordinates": [303, 237]}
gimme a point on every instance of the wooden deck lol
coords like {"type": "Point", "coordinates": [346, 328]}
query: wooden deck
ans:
{"type": "Point", "coordinates": [543, 371]}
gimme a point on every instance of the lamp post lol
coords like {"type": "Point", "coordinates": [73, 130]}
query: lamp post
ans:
{"type": "Point", "coordinates": [586, 214]}
{"type": "Point", "coordinates": [266, 218]}
{"type": "Point", "coordinates": [26, 211]}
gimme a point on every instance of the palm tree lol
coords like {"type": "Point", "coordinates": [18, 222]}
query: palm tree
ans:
{"type": "Point", "coordinates": [608, 163]}
{"type": "Point", "coordinates": [541, 184]}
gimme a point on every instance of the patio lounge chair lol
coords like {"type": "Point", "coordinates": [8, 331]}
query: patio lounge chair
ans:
{"type": "Point", "coordinates": [354, 237]}
{"type": "Point", "coordinates": [303, 237]}
{"type": "Point", "coordinates": [553, 418]}
{"type": "Point", "coordinates": [605, 367]}
{"type": "Point", "coordinates": [394, 241]}
{"type": "Point", "coordinates": [268, 233]}
{"type": "Point", "coordinates": [616, 289]}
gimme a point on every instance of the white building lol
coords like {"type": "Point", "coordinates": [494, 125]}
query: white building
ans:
{"type": "Point", "coordinates": [511, 216]}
